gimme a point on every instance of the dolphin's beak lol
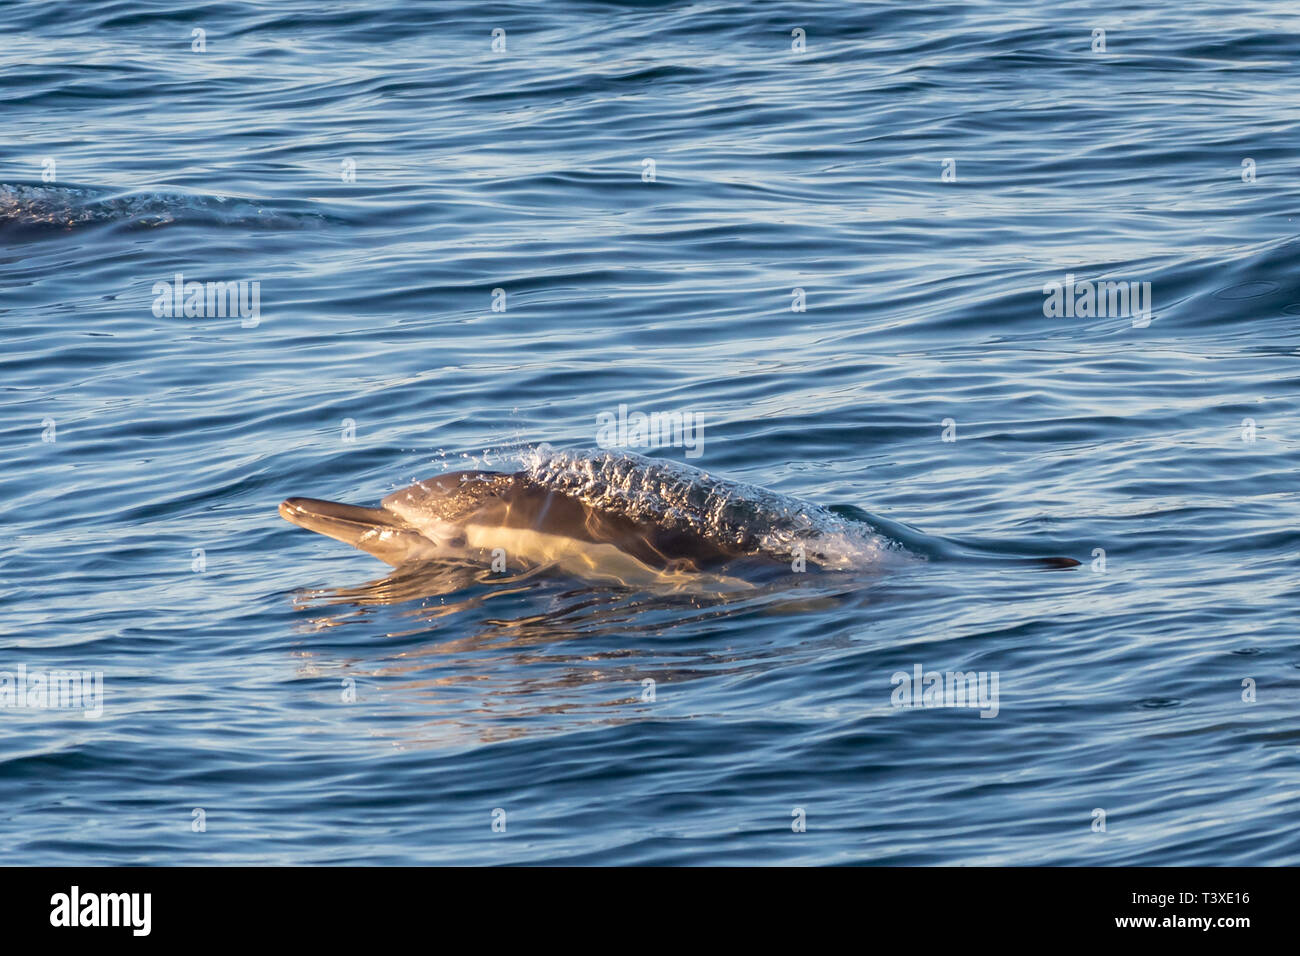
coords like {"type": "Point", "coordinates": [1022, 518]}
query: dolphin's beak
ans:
{"type": "Point", "coordinates": [376, 531]}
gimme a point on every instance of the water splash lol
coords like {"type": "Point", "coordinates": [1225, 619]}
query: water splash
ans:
{"type": "Point", "coordinates": [733, 515]}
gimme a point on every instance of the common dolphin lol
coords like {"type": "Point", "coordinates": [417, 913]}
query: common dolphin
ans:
{"type": "Point", "coordinates": [616, 517]}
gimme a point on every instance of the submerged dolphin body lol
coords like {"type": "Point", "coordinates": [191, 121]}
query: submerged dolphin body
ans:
{"type": "Point", "coordinates": [44, 206]}
{"type": "Point", "coordinates": [612, 517]}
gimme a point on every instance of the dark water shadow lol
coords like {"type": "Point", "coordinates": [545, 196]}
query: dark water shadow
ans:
{"type": "Point", "coordinates": [475, 657]}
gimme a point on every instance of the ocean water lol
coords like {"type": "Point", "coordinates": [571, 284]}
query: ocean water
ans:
{"type": "Point", "coordinates": [648, 185]}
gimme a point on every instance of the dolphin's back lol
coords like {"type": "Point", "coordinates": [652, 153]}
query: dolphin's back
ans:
{"type": "Point", "coordinates": [519, 503]}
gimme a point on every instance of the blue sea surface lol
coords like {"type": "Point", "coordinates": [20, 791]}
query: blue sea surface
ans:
{"type": "Point", "coordinates": [826, 229]}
